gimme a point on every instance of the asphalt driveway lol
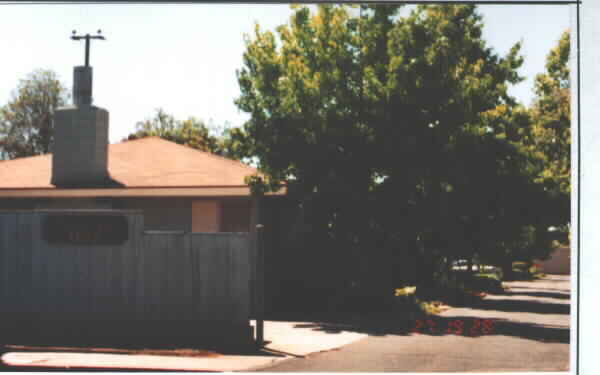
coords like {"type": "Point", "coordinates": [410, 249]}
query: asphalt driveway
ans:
{"type": "Point", "coordinates": [524, 329]}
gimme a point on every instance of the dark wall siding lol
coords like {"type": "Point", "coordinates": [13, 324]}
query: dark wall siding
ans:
{"type": "Point", "coordinates": [159, 213]}
{"type": "Point", "coordinates": [76, 203]}
{"type": "Point", "coordinates": [235, 215]}
{"type": "Point", "coordinates": [176, 213]}
{"type": "Point", "coordinates": [18, 204]}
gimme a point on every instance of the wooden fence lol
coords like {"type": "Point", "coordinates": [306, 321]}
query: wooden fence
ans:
{"type": "Point", "coordinates": [158, 277]}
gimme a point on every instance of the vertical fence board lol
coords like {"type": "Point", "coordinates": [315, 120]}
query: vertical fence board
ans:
{"type": "Point", "coordinates": [234, 275]}
{"type": "Point", "coordinates": [163, 283]}
{"type": "Point", "coordinates": [187, 291]}
{"type": "Point", "coordinates": [50, 255]}
{"type": "Point", "coordinates": [197, 290]}
{"type": "Point", "coordinates": [224, 276]}
{"type": "Point", "coordinates": [5, 242]}
{"type": "Point", "coordinates": [87, 274]}
{"type": "Point", "coordinates": [129, 271]}
{"type": "Point", "coordinates": [211, 301]}
{"type": "Point", "coordinates": [146, 255]}
{"type": "Point", "coordinates": [96, 269]}
{"type": "Point", "coordinates": [195, 276]}
{"type": "Point", "coordinates": [212, 260]}
{"type": "Point", "coordinates": [55, 259]}
{"type": "Point", "coordinates": [4, 248]}
{"type": "Point", "coordinates": [140, 285]}
{"type": "Point", "coordinates": [67, 289]}
{"type": "Point", "coordinates": [37, 281]}
{"type": "Point", "coordinates": [19, 284]}
{"type": "Point", "coordinates": [239, 275]}
{"type": "Point", "coordinates": [35, 236]}
{"type": "Point", "coordinates": [11, 263]}
{"type": "Point", "coordinates": [80, 308]}
{"type": "Point", "coordinates": [106, 278]}
{"type": "Point", "coordinates": [177, 259]}
{"type": "Point", "coordinates": [202, 282]}
{"type": "Point", "coordinates": [152, 295]}
{"type": "Point", "coordinates": [182, 261]}
{"type": "Point", "coordinates": [137, 276]}
{"type": "Point", "coordinates": [44, 290]}
{"type": "Point", "coordinates": [116, 276]}
{"type": "Point", "coordinates": [158, 266]}
{"type": "Point", "coordinates": [244, 266]}
{"type": "Point", "coordinates": [24, 237]}
{"type": "Point", "coordinates": [92, 278]}
{"type": "Point", "coordinates": [228, 275]}
{"type": "Point", "coordinates": [167, 285]}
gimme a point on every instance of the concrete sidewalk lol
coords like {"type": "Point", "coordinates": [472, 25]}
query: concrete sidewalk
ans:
{"type": "Point", "coordinates": [299, 339]}
{"type": "Point", "coordinates": [285, 340]}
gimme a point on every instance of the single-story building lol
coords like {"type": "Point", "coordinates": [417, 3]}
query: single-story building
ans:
{"type": "Point", "coordinates": [177, 187]}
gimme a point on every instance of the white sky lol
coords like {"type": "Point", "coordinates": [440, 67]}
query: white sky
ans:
{"type": "Point", "coordinates": [183, 58]}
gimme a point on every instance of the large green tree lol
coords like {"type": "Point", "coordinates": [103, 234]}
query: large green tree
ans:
{"type": "Point", "coordinates": [371, 116]}
{"type": "Point", "coordinates": [26, 120]}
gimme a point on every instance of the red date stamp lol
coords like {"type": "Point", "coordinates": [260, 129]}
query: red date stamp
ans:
{"type": "Point", "coordinates": [470, 327]}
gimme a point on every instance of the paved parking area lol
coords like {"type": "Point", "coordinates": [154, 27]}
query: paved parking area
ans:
{"type": "Point", "coordinates": [527, 330]}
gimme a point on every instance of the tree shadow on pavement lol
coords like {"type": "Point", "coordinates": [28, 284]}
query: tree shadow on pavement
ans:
{"type": "Point", "coordinates": [514, 288]}
{"type": "Point", "coordinates": [442, 326]}
{"type": "Point", "coordinates": [538, 294]}
{"type": "Point", "coordinates": [400, 323]}
{"type": "Point", "coordinates": [509, 305]}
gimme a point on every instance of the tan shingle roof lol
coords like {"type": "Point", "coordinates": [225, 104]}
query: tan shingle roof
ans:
{"type": "Point", "coordinates": [146, 162]}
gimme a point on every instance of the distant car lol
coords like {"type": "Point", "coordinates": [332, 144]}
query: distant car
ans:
{"type": "Point", "coordinates": [494, 270]}
{"type": "Point", "coordinates": [463, 265]}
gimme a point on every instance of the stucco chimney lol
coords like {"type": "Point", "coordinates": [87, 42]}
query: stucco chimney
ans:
{"type": "Point", "coordinates": [80, 149]}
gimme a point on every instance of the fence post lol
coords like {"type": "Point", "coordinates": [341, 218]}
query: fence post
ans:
{"type": "Point", "coordinates": [260, 286]}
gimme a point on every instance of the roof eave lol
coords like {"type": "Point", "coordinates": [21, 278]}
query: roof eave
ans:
{"type": "Point", "coordinates": [210, 191]}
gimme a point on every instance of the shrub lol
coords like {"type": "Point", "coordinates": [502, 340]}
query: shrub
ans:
{"type": "Point", "coordinates": [486, 282]}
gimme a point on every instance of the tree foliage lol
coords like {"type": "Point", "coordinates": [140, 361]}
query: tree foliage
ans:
{"type": "Point", "coordinates": [26, 120]}
{"type": "Point", "coordinates": [192, 132]}
{"type": "Point", "coordinates": [550, 134]}
{"type": "Point", "coordinates": [547, 142]}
